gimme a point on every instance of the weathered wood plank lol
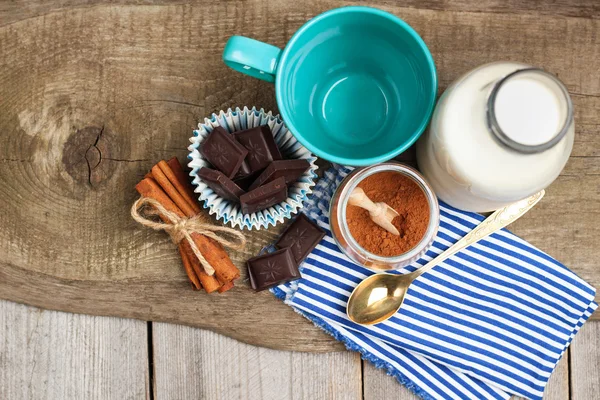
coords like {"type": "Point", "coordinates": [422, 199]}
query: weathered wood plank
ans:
{"type": "Point", "coordinates": [558, 385]}
{"type": "Point", "coordinates": [55, 355]}
{"type": "Point", "coordinates": [130, 82]}
{"type": "Point", "coordinates": [379, 385]}
{"type": "Point", "coordinates": [256, 318]}
{"type": "Point", "coordinates": [585, 362]}
{"type": "Point", "coordinates": [17, 10]}
{"type": "Point", "coordinates": [198, 364]}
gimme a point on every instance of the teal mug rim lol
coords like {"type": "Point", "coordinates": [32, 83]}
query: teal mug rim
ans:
{"type": "Point", "coordinates": [357, 161]}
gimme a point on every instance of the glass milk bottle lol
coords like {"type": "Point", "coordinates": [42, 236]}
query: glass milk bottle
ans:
{"type": "Point", "coordinates": [500, 133]}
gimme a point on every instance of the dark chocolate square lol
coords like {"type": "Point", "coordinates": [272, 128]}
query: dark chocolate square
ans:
{"type": "Point", "coordinates": [265, 196]}
{"type": "Point", "coordinates": [272, 269]}
{"type": "Point", "coordinates": [291, 170]}
{"type": "Point", "coordinates": [301, 237]}
{"type": "Point", "coordinates": [223, 152]}
{"type": "Point", "coordinates": [261, 146]}
{"type": "Point", "coordinates": [221, 184]}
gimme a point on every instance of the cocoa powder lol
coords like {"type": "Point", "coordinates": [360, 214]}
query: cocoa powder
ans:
{"type": "Point", "coordinates": [403, 195]}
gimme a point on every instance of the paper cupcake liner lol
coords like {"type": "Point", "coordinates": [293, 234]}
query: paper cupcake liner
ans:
{"type": "Point", "coordinates": [230, 212]}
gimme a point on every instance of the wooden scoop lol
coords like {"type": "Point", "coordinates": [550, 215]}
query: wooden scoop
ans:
{"type": "Point", "coordinates": [380, 213]}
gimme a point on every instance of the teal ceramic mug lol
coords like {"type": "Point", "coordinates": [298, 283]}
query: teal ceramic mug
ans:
{"type": "Point", "coordinates": [355, 85]}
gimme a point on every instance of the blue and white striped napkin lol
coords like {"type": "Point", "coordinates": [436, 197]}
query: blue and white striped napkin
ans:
{"type": "Point", "coordinates": [491, 321]}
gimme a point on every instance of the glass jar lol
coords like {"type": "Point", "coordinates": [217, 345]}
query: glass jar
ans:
{"type": "Point", "coordinates": [341, 232]}
{"type": "Point", "coordinates": [499, 134]}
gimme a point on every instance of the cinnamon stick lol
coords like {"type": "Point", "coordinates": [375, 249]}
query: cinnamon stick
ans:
{"type": "Point", "coordinates": [148, 187]}
{"type": "Point", "coordinates": [209, 283]}
{"type": "Point", "coordinates": [179, 185]}
{"type": "Point", "coordinates": [189, 270]}
{"type": "Point", "coordinates": [181, 176]}
{"type": "Point", "coordinates": [226, 287]}
{"type": "Point", "coordinates": [170, 190]}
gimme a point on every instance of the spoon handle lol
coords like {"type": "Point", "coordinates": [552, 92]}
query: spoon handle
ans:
{"type": "Point", "coordinates": [498, 220]}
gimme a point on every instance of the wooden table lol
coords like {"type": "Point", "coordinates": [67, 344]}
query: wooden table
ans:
{"type": "Point", "coordinates": [56, 355]}
{"type": "Point", "coordinates": [94, 92]}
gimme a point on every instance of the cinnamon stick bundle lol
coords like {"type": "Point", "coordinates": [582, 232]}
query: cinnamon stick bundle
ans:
{"type": "Point", "coordinates": [168, 185]}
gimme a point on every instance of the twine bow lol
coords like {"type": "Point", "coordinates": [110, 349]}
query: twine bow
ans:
{"type": "Point", "coordinates": [180, 228]}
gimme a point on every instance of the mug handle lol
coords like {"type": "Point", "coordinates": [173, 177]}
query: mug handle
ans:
{"type": "Point", "coordinates": [252, 57]}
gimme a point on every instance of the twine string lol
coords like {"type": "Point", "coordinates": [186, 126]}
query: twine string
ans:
{"type": "Point", "coordinates": [180, 228]}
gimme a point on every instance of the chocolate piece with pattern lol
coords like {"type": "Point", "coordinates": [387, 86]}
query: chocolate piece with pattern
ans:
{"type": "Point", "coordinates": [223, 152]}
{"type": "Point", "coordinates": [272, 269]}
{"type": "Point", "coordinates": [261, 146]}
{"type": "Point", "coordinates": [301, 237]}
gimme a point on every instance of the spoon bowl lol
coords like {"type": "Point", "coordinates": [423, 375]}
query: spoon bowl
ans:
{"type": "Point", "coordinates": [377, 298]}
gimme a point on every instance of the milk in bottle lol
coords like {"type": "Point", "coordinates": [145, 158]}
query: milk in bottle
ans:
{"type": "Point", "coordinates": [500, 133]}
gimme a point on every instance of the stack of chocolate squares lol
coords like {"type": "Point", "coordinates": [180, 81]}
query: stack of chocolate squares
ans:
{"type": "Point", "coordinates": [248, 168]}
{"type": "Point", "coordinates": [294, 244]}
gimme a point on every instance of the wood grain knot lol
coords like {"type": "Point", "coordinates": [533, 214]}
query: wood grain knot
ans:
{"type": "Point", "coordinates": [86, 153]}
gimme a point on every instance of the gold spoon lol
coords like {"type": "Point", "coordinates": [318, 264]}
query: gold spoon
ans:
{"type": "Point", "coordinates": [380, 296]}
{"type": "Point", "coordinates": [380, 213]}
